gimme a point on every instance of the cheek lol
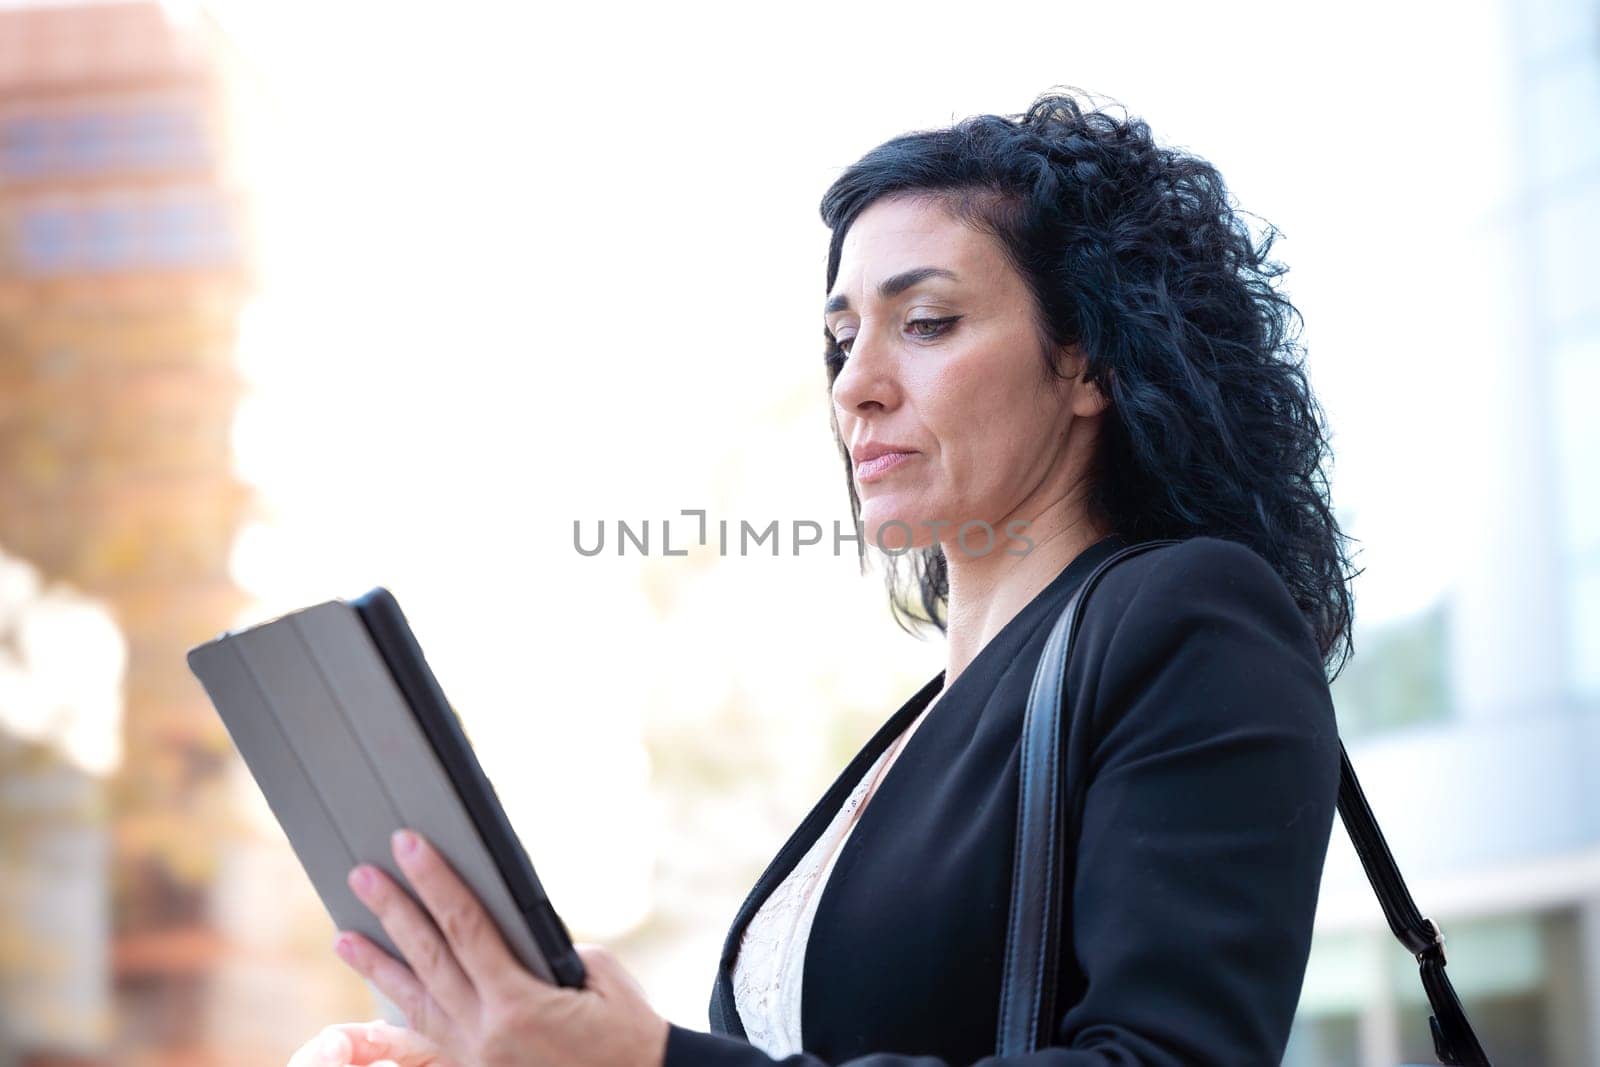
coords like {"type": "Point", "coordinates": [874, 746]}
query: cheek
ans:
{"type": "Point", "coordinates": [985, 423]}
{"type": "Point", "coordinates": [997, 439]}
{"type": "Point", "coordinates": [956, 401]}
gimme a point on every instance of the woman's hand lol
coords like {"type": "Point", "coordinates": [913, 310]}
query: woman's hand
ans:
{"type": "Point", "coordinates": [467, 994]}
{"type": "Point", "coordinates": [374, 1044]}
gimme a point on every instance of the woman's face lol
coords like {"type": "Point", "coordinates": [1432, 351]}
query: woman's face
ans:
{"type": "Point", "coordinates": [948, 369]}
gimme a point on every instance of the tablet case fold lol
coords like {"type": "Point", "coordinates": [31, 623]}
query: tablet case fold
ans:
{"type": "Point", "coordinates": [349, 737]}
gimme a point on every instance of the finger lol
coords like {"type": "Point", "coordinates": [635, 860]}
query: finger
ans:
{"type": "Point", "coordinates": [472, 935]}
{"type": "Point", "coordinates": [395, 980]}
{"type": "Point", "coordinates": [418, 939]}
{"type": "Point", "coordinates": [606, 974]}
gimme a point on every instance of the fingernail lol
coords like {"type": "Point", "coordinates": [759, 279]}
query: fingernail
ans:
{"type": "Point", "coordinates": [361, 879]}
{"type": "Point", "coordinates": [347, 951]}
{"type": "Point", "coordinates": [405, 841]}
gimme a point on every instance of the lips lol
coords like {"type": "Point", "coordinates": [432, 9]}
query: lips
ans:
{"type": "Point", "coordinates": [873, 449]}
{"type": "Point", "coordinates": [882, 463]}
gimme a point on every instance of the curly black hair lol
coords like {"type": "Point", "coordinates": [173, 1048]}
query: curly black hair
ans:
{"type": "Point", "coordinates": [1134, 253]}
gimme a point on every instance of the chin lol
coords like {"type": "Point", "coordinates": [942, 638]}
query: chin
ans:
{"type": "Point", "coordinates": [886, 528]}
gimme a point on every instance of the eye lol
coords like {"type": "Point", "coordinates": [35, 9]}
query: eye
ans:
{"type": "Point", "coordinates": [924, 329]}
{"type": "Point", "coordinates": [940, 325]}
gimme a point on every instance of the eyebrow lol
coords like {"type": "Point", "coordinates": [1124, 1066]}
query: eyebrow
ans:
{"type": "Point", "coordinates": [892, 286]}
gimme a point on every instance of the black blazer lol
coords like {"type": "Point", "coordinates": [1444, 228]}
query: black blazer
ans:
{"type": "Point", "coordinates": [1200, 717]}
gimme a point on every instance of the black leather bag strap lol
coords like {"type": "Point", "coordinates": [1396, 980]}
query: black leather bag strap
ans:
{"type": "Point", "coordinates": [1453, 1039]}
{"type": "Point", "coordinates": [1028, 990]}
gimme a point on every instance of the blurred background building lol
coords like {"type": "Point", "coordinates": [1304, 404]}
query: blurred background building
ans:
{"type": "Point", "coordinates": [1475, 726]}
{"type": "Point", "coordinates": [178, 456]}
{"type": "Point", "coordinates": [124, 259]}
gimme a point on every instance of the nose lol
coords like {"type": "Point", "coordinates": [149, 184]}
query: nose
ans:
{"type": "Point", "coordinates": [867, 381]}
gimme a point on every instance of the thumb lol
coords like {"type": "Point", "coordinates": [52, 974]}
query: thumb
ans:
{"type": "Point", "coordinates": [329, 1048]}
{"type": "Point", "coordinates": [380, 1040]}
{"type": "Point", "coordinates": [372, 1044]}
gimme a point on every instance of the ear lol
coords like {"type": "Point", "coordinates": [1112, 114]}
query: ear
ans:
{"type": "Point", "coordinates": [1085, 398]}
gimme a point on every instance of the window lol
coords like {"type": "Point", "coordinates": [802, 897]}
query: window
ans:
{"type": "Point", "coordinates": [1574, 382]}
{"type": "Point", "coordinates": [45, 236]}
{"type": "Point", "coordinates": [24, 147]}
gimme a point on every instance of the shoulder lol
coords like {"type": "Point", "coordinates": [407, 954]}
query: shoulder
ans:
{"type": "Point", "coordinates": [1197, 577]}
{"type": "Point", "coordinates": [1204, 616]}
{"type": "Point", "coordinates": [1209, 565]}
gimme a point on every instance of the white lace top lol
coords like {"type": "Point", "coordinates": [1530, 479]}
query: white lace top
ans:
{"type": "Point", "coordinates": [772, 951]}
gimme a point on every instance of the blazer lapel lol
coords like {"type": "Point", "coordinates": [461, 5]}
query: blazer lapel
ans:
{"type": "Point", "coordinates": [724, 1012]}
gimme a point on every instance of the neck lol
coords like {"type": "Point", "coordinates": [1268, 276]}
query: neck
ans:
{"type": "Point", "coordinates": [988, 591]}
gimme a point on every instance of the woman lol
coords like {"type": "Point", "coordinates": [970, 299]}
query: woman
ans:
{"type": "Point", "coordinates": [1049, 326]}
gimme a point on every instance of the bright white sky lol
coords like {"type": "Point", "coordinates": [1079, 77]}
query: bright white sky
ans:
{"type": "Point", "coordinates": [532, 263]}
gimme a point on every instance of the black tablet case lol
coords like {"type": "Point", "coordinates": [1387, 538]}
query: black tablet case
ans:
{"type": "Point", "coordinates": [349, 736]}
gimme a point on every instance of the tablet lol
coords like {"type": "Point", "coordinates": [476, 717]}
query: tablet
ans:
{"type": "Point", "coordinates": [348, 735]}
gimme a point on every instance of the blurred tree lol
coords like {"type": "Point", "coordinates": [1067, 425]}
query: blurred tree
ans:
{"type": "Point", "coordinates": [1399, 675]}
